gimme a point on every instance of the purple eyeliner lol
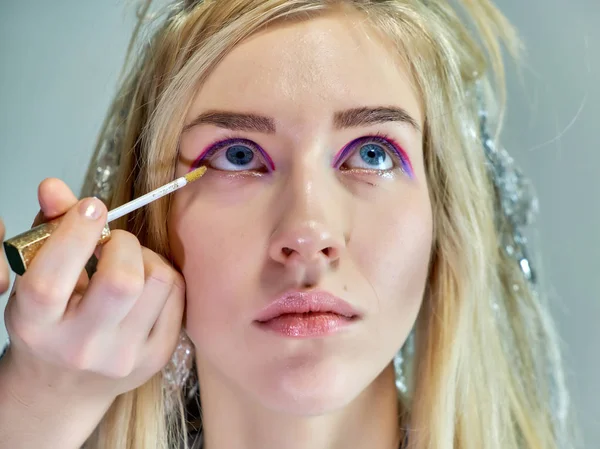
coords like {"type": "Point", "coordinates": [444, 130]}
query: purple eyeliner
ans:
{"type": "Point", "coordinates": [387, 142]}
{"type": "Point", "coordinates": [213, 148]}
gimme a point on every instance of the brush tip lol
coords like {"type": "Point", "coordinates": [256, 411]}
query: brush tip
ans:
{"type": "Point", "coordinates": [193, 175]}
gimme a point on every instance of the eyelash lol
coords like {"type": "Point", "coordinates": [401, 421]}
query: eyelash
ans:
{"type": "Point", "coordinates": [212, 149]}
{"type": "Point", "coordinates": [394, 150]}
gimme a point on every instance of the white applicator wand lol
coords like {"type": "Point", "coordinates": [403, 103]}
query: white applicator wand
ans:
{"type": "Point", "coordinates": [21, 249]}
{"type": "Point", "coordinates": [155, 194]}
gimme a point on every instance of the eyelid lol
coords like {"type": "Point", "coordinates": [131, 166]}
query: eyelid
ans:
{"type": "Point", "coordinates": [393, 147]}
{"type": "Point", "coordinates": [213, 148]}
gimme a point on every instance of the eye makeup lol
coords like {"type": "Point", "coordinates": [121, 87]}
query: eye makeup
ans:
{"type": "Point", "coordinates": [389, 145]}
{"type": "Point", "coordinates": [213, 148]}
{"type": "Point", "coordinates": [395, 150]}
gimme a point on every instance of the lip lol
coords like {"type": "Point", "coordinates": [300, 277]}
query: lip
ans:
{"type": "Point", "coordinates": [307, 314]}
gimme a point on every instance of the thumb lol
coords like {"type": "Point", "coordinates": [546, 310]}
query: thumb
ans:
{"type": "Point", "coordinates": [55, 199]}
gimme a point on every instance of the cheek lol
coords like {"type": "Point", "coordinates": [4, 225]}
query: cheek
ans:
{"type": "Point", "coordinates": [392, 246]}
{"type": "Point", "coordinates": [218, 254]}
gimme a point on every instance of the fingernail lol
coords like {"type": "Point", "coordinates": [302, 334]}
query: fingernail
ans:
{"type": "Point", "coordinates": [90, 209]}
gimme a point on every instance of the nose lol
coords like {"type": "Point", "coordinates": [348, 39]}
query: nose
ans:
{"type": "Point", "coordinates": [309, 243]}
{"type": "Point", "coordinates": [309, 237]}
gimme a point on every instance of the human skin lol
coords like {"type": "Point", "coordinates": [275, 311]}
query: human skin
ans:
{"type": "Point", "coordinates": [247, 233]}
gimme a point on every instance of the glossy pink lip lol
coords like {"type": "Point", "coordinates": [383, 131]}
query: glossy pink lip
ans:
{"type": "Point", "coordinates": [307, 314]}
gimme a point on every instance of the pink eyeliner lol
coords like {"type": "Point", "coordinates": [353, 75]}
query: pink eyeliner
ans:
{"type": "Point", "coordinates": [197, 161]}
{"type": "Point", "coordinates": [214, 147]}
{"type": "Point", "coordinates": [407, 165]}
{"type": "Point", "coordinates": [388, 142]}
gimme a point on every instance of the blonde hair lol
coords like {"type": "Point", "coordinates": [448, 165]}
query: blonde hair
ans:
{"type": "Point", "coordinates": [481, 370]}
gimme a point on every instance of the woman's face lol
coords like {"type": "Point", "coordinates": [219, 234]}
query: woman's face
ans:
{"type": "Point", "coordinates": [305, 247]}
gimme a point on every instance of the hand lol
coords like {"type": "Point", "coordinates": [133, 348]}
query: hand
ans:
{"type": "Point", "coordinates": [97, 337]}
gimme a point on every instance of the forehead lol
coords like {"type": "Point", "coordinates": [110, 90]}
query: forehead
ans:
{"type": "Point", "coordinates": [304, 70]}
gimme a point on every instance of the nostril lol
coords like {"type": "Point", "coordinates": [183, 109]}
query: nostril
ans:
{"type": "Point", "coordinates": [328, 252]}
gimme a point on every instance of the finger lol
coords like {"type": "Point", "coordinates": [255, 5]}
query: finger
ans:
{"type": "Point", "coordinates": [55, 198]}
{"type": "Point", "coordinates": [77, 296]}
{"type": "Point", "coordinates": [82, 283]}
{"type": "Point", "coordinates": [170, 321]}
{"type": "Point", "coordinates": [117, 283]}
{"type": "Point", "coordinates": [160, 280]}
{"type": "Point", "coordinates": [4, 276]}
{"type": "Point", "coordinates": [165, 334]}
{"type": "Point", "coordinates": [47, 285]}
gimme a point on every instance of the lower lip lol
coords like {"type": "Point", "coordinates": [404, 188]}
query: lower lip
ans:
{"type": "Point", "coordinates": [306, 324]}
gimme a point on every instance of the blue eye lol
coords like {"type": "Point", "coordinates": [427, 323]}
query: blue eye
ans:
{"type": "Point", "coordinates": [235, 155]}
{"type": "Point", "coordinates": [377, 153]}
{"type": "Point", "coordinates": [239, 155]}
{"type": "Point", "coordinates": [371, 155]}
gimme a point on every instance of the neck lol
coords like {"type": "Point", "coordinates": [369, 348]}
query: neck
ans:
{"type": "Point", "coordinates": [233, 421]}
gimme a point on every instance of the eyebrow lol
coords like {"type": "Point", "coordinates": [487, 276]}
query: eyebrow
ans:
{"type": "Point", "coordinates": [365, 116]}
{"type": "Point", "coordinates": [350, 118]}
{"type": "Point", "coordinates": [234, 121]}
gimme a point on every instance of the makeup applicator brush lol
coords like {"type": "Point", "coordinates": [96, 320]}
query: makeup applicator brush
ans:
{"type": "Point", "coordinates": [21, 249]}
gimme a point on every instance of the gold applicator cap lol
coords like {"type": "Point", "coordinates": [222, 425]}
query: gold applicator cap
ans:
{"type": "Point", "coordinates": [21, 249]}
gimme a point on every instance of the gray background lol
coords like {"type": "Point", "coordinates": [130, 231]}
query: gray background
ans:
{"type": "Point", "coordinates": [60, 61]}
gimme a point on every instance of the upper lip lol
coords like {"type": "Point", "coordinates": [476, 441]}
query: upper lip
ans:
{"type": "Point", "coordinates": [306, 302]}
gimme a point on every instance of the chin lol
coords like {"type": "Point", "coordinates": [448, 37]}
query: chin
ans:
{"type": "Point", "coordinates": [309, 390]}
